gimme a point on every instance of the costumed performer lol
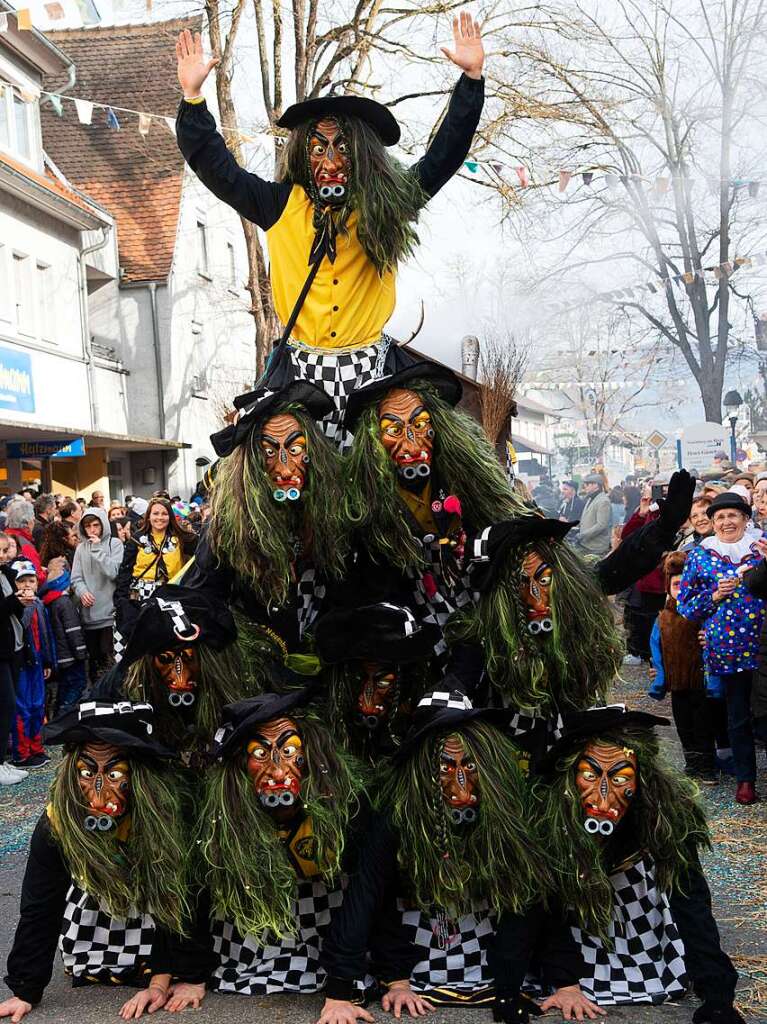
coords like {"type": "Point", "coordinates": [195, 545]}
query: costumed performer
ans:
{"type": "Point", "coordinates": [341, 216]}
{"type": "Point", "coordinates": [624, 833]}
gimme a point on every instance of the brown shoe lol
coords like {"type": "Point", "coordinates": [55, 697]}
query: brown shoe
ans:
{"type": "Point", "coordinates": [745, 793]}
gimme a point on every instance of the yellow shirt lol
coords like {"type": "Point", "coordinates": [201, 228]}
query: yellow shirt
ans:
{"type": "Point", "coordinates": [147, 562]}
{"type": "Point", "coordinates": [348, 303]}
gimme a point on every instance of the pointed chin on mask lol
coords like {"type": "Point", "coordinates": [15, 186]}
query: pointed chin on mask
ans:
{"type": "Point", "coordinates": [459, 781]}
{"type": "Point", "coordinates": [103, 774]}
{"type": "Point", "coordinates": [406, 433]}
{"type": "Point", "coordinates": [376, 694]}
{"type": "Point", "coordinates": [535, 589]}
{"type": "Point", "coordinates": [606, 777]}
{"type": "Point", "coordinates": [284, 448]}
{"type": "Point", "coordinates": [178, 672]}
{"type": "Point", "coordinates": [276, 766]}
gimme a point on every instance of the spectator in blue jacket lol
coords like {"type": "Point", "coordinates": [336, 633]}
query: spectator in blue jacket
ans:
{"type": "Point", "coordinates": [38, 660]}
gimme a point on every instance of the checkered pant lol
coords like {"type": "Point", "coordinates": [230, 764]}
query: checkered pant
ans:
{"type": "Point", "coordinates": [95, 945]}
{"type": "Point", "coordinates": [646, 963]}
{"type": "Point", "coordinates": [449, 598]}
{"type": "Point", "coordinates": [257, 966]}
{"type": "Point", "coordinates": [309, 595]}
{"type": "Point", "coordinates": [463, 964]}
{"type": "Point", "coordinates": [338, 375]}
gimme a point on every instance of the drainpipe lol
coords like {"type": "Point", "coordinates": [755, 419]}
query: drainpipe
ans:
{"type": "Point", "coordinates": [85, 324]}
{"type": "Point", "coordinates": [158, 371]}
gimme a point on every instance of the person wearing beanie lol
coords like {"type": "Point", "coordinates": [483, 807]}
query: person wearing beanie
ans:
{"type": "Point", "coordinates": [38, 661]}
{"type": "Point", "coordinates": [678, 662]}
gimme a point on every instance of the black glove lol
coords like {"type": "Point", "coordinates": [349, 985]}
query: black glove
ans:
{"type": "Point", "coordinates": [515, 1009]}
{"type": "Point", "coordinates": [713, 1013]}
{"type": "Point", "coordinates": [675, 508]}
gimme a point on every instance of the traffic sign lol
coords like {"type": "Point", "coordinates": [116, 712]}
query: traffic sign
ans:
{"type": "Point", "coordinates": [656, 439]}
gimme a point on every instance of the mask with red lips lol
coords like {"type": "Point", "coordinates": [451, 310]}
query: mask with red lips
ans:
{"type": "Point", "coordinates": [103, 774]}
{"type": "Point", "coordinates": [283, 443]}
{"type": "Point", "coordinates": [458, 778]}
{"type": "Point", "coordinates": [376, 694]}
{"type": "Point", "coordinates": [606, 777]}
{"type": "Point", "coordinates": [329, 162]}
{"type": "Point", "coordinates": [536, 579]}
{"type": "Point", "coordinates": [275, 765]}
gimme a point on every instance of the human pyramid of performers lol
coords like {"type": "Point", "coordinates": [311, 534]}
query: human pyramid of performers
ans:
{"type": "Point", "coordinates": [362, 746]}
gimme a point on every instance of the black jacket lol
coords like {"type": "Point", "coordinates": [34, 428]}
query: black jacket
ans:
{"type": "Point", "coordinates": [756, 584]}
{"type": "Point", "coordinates": [8, 606]}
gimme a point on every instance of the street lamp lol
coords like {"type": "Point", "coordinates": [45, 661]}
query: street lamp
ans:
{"type": "Point", "coordinates": [732, 403]}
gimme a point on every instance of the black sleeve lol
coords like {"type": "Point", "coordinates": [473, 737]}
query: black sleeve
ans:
{"type": "Point", "coordinates": [756, 580]}
{"type": "Point", "coordinates": [205, 151]}
{"type": "Point", "coordinates": [713, 975]}
{"type": "Point", "coordinates": [125, 572]}
{"type": "Point", "coordinates": [539, 936]}
{"type": "Point", "coordinates": [43, 898]}
{"type": "Point", "coordinates": [207, 573]}
{"type": "Point", "coordinates": [635, 556]}
{"type": "Point", "coordinates": [188, 958]}
{"type": "Point", "coordinates": [453, 138]}
{"type": "Point", "coordinates": [371, 884]}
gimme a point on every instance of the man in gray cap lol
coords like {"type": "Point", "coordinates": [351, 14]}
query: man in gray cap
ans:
{"type": "Point", "coordinates": [596, 517]}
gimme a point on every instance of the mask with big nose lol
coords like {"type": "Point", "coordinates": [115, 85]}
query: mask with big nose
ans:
{"type": "Point", "coordinates": [178, 672]}
{"type": "Point", "coordinates": [606, 777]}
{"type": "Point", "coordinates": [283, 444]}
{"type": "Point", "coordinates": [329, 161]}
{"type": "Point", "coordinates": [407, 434]}
{"type": "Point", "coordinates": [103, 774]}
{"type": "Point", "coordinates": [376, 694]}
{"type": "Point", "coordinates": [459, 781]}
{"type": "Point", "coordinates": [276, 765]}
{"type": "Point", "coordinates": [535, 588]}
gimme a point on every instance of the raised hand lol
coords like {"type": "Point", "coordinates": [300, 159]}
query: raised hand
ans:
{"type": "Point", "coordinates": [469, 53]}
{"type": "Point", "coordinates": [192, 67]}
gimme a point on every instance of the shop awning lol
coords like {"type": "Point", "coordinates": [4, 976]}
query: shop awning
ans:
{"type": "Point", "coordinates": [24, 431]}
{"type": "Point", "coordinates": [521, 444]}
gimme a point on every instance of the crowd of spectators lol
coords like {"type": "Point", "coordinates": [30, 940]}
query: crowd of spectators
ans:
{"type": "Point", "coordinates": [70, 570]}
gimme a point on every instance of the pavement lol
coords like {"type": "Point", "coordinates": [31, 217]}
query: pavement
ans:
{"type": "Point", "coordinates": [736, 869]}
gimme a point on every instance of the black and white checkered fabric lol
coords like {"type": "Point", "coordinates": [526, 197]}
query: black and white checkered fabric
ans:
{"type": "Point", "coordinates": [144, 587]}
{"type": "Point", "coordinates": [100, 709]}
{"type": "Point", "coordinates": [444, 699]}
{"type": "Point", "coordinates": [264, 965]}
{"type": "Point", "coordinates": [309, 595]}
{"type": "Point", "coordinates": [646, 963]}
{"type": "Point", "coordinates": [338, 374]}
{"type": "Point", "coordinates": [462, 964]}
{"type": "Point", "coordinates": [522, 724]}
{"type": "Point", "coordinates": [119, 643]}
{"type": "Point", "coordinates": [97, 945]}
{"type": "Point", "coordinates": [436, 609]}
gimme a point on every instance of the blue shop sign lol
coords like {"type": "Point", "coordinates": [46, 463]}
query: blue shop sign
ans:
{"type": "Point", "coordinates": [61, 449]}
{"type": "Point", "coordinates": [17, 390]}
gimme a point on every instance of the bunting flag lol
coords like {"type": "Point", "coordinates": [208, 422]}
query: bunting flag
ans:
{"type": "Point", "coordinates": [54, 11]}
{"type": "Point", "coordinates": [3, 21]}
{"type": "Point", "coordinates": [24, 20]}
{"type": "Point", "coordinates": [144, 124]}
{"type": "Point", "coordinates": [112, 121]}
{"type": "Point", "coordinates": [564, 180]}
{"type": "Point", "coordinates": [56, 103]}
{"type": "Point", "coordinates": [84, 110]}
{"type": "Point", "coordinates": [171, 125]}
{"type": "Point", "coordinates": [524, 177]}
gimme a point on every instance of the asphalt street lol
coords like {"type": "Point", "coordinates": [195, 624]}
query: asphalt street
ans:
{"type": "Point", "coordinates": [736, 868]}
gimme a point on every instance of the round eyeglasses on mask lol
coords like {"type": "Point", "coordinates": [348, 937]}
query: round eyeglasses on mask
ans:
{"type": "Point", "coordinates": [98, 823]}
{"type": "Point", "coordinates": [537, 626]}
{"type": "Point", "coordinates": [178, 700]}
{"type": "Point", "coordinates": [602, 828]}
{"type": "Point", "coordinates": [463, 815]}
{"type": "Point", "coordinates": [284, 799]}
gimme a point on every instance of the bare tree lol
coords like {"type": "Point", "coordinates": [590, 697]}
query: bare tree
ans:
{"type": "Point", "coordinates": [655, 101]}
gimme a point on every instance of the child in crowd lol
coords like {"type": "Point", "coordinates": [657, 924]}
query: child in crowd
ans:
{"type": "Point", "coordinates": [71, 652]}
{"type": "Point", "coordinates": [11, 646]}
{"type": "Point", "coordinates": [678, 663]}
{"type": "Point", "coordinates": [39, 657]}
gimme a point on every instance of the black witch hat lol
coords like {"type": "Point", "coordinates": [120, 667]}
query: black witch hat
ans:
{"type": "Point", "coordinates": [441, 378]}
{"type": "Point", "coordinates": [176, 617]}
{"type": "Point", "coordinates": [485, 553]}
{"type": "Point", "coordinates": [382, 632]}
{"type": "Point", "coordinates": [581, 726]}
{"type": "Point", "coordinates": [124, 724]}
{"type": "Point", "coordinates": [240, 719]}
{"type": "Point", "coordinates": [443, 710]}
{"type": "Point", "coordinates": [268, 401]}
{"type": "Point", "coordinates": [379, 117]}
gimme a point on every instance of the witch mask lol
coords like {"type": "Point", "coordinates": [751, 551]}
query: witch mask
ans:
{"type": "Point", "coordinates": [103, 774]}
{"type": "Point", "coordinates": [329, 161]}
{"type": "Point", "coordinates": [407, 434]}
{"type": "Point", "coordinates": [458, 780]}
{"type": "Point", "coordinates": [276, 765]}
{"type": "Point", "coordinates": [378, 685]}
{"type": "Point", "coordinates": [283, 443]}
{"type": "Point", "coordinates": [178, 671]}
{"type": "Point", "coordinates": [535, 588]}
{"type": "Point", "coordinates": [606, 777]}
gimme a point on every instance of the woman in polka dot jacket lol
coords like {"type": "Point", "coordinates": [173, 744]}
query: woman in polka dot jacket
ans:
{"type": "Point", "coordinates": [713, 594]}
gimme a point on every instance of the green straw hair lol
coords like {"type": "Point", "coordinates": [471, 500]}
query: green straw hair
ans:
{"type": "Point", "coordinates": [251, 880]}
{"type": "Point", "coordinates": [667, 818]}
{"type": "Point", "coordinates": [466, 465]}
{"type": "Point", "coordinates": [497, 859]}
{"type": "Point", "coordinates": [223, 680]}
{"type": "Point", "coordinates": [258, 536]}
{"type": "Point", "coordinates": [574, 665]}
{"type": "Point", "coordinates": [150, 871]}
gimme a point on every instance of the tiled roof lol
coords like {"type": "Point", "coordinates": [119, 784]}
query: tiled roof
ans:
{"type": "Point", "coordinates": [49, 183]}
{"type": "Point", "coordinates": [137, 179]}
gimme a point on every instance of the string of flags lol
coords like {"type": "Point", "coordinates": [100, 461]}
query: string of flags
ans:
{"type": "Point", "coordinates": [660, 184]}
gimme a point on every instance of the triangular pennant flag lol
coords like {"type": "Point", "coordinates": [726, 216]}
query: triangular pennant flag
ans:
{"type": "Point", "coordinates": [84, 110]}
{"type": "Point", "coordinates": [112, 121]}
{"type": "Point", "coordinates": [23, 20]}
{"type": "Point", "coordinates": [171, 124]}
{"type": "Point", "coordinates": [588, 177]}
{"type": "Point", "coordinates": [29, 95]}
{"type": "Point", "coordinates": [144, 123]}
{"type": "Point", "coordinates": [743, 261]}
{"type": "Point", "coordinates": [727, 268]}
{"type": "Point", "coordinates": [753, 189]}
{"type": "Point", "coordinates": [522, 174]}
{"type": "Point", "coordinates": [56, 103]}
{"type": "Point", "coordinates": [564, 180]}
{"type": "Point", "coordinates": [54, 11]}
{"type": "Point", "coordinates": [662, 185]}
{"type": "Point", "coordinates": [471, 165]}
{"type": "Point", "coordinates": [3, 22]}
{"type": "Point", "coordinates": [497, 166]}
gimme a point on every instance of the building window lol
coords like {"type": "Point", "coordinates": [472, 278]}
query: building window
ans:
{"type": "Point", "coordinates": [22, 293]}
{"type": "Point", "coordinates": [5, 127]}
{"type": "Point", "coordinates": [21, 124]}
{"type": "Point", "coordinates": [46, 299]}
{"type": "Point", "coordinates": [232, 265]}
{"type": "Point", "coordinates": [202, 249]}
{"type": "Point", "coordinates": [16, 126]}
{"type": "Point", "coordinates": [5, 295]}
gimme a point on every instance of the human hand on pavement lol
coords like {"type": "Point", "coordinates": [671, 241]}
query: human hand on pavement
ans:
{"type": "Point", "coordinates": [192, 67]}
{"type": "Point", "coordinates": [15, 1009]}
{"type": "Point", "coordinates": [340, 1011]}
{"type": "Point", "coordinates": [573, 1004]}
{"type": "Point", "coordinates": [401, 997]}
{"type": "Point", "coordinates": [469, 53]}
{"type": "Point", "coordinates": [184, 996]}
{"type": "Point", "coordinates": [148, 1000]}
